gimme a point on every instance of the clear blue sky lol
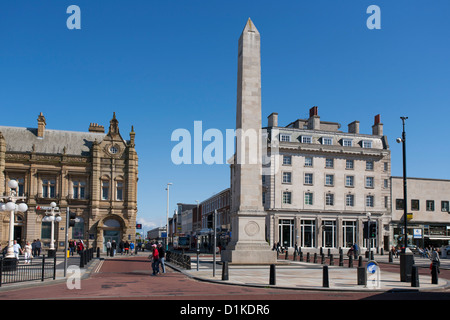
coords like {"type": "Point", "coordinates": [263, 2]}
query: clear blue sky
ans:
{"type": "Point", "coordinates": [161, 65]}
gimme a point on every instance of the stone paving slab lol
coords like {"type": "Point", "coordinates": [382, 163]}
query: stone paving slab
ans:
{"type": "Point", "coordinates": [307, 276]}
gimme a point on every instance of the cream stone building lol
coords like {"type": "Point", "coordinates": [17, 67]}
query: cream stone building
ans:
{"type": "Point", "coordinates": [428, 211]}
{"type": "Point", "coordinates": [93, 173]}
{"type": "Point", "coordinates": [321, 183]}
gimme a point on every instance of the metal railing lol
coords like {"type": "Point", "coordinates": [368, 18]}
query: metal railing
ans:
{"type": "Point", "coordinates": [182, 260]}
{"type": "Point", "coordinates": [21, 270]}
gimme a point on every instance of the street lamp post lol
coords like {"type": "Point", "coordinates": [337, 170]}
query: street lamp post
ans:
{"type": "Point", "coordinates": [52, 216]}
{"type": "Point", "coordinates": [405, 202]}
{"type": "Point", "coordinates": [406, 258]}
{"type": "Point", "coordinates": [11, 206]}
{"type": "Point", "coordinates": [369, 239]}
{"type": "Point", "coordinates": [167, 217]}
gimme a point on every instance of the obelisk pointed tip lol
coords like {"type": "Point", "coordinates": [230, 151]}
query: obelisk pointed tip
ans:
{"type": "Point", "coordinates": [250, 26]}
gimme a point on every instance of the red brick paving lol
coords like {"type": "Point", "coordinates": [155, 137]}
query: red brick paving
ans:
{"type": "Point", "coordinates": [129, 278]}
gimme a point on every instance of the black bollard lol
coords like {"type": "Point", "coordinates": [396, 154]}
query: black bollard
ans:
{"type": "Point", "coordinates": [315, 257]}
{"type": "Point", "coordinates": [325, 279]}
{"type": "Point", "coordinates": [98, 252]}
{"type": "Point", "coordinates": [434, 274]}
{"type": "Point", "coordinates": [331, 260]}
{"type": "Point", "coordinates": [272, 280]}
{"type": "Point", "coordinates": [308, 257]}
{"type": "Point", "coordinates": [341, 259]}
{"type": "Point", "coordinates": [415, 277]}
{"type": "Point", "coordinates": [329, 252]}
{"type": "Point", "coordinates": [382, 251]}
{"type": "Point", "coordinates": [390, 257]}
{"type": "Point", "coordinates": [321, 250]}
{"type": "Point", "coordinates": [360, 261]}
{"type": "Point", "coordinates": [287, 255]}
{"type": "Point", "coordinates": [350, 261]}
{"type": "Point", "coordinates": [295, 255]}
{"type": "Point", "coordinates": [300, 256]}
{"type": "Point", "coordinates": [362, 276]}
{"type": "Point", "coordinates": [225, 270]}
{"type": "Point", "coordinates": [81, 259]}
{"type": "Point", "coordinates": [371, 256]}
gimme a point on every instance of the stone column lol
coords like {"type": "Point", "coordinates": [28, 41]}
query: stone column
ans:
{"type": "Point", "coordinates": [248, 244]}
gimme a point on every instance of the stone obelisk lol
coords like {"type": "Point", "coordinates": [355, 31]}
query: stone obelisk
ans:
{"type": "Point", "coordinates": [248, 242]}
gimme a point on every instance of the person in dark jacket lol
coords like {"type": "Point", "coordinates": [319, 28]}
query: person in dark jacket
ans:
{"type": "Point", "coordinates": [162, 255]}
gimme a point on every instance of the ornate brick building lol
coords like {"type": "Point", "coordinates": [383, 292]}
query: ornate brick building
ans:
{"type": "Point", "coordinates": [92, 173]}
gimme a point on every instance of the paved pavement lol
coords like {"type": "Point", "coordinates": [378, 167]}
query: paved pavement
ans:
{"type": "Point", "coordinates": [309, 276]}
{"type": "Point", "coordinates": [125, 277]}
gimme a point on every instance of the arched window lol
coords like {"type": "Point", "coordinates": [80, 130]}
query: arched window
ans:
{"type": "Point", "coordinates": [112, 223]}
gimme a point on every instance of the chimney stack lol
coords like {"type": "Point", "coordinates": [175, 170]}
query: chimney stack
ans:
{"type": "Point", "coordinates": [95, 127]}
{"type": "Point", "coordinates": [377, 128]}
{"type": "Point", "coordinates": [353, 127]}
{"type": "Point", "coordinates": [273, 120]}
{"type": "Point", "coordinates": [41, 125]}
{"type": "Point", "coordinates": [314, 119]}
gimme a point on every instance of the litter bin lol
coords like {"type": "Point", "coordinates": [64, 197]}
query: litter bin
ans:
{"type": "Point", "coordinates": [406, 264]}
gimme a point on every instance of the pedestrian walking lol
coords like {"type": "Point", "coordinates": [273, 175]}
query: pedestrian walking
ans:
{"type": "Point", "coordinates": [435, 260]}
{"type": "Point", "coordinates": [72, 246]}
{"type": "Point", "coordinates": [108, 248]}
{"type": "Point", "coordinates": [355, 251]}
{"type": "Point", "coordinates": [80, 246]}
{"type": "Point", "coordinates": [28, 249]}
{"type": "Point", "coordinates": [121, 247]}
{"type": "Point", "coordinates": [155, 260]}
{"type": "Point", "coordinates": [126, 247]}
{"type": "Point", "coordinates": [131, 247]}
{"type": "Point", "coordinates": [17, 249]}
{"type": "Point", "coordinates": [114, 247]}
{"type": "Point", "coordinates": [38, 247]}
{"type": "Point", "coordinates": [162, 255]}
{"type": "Point", "coordinates": [33, 247]}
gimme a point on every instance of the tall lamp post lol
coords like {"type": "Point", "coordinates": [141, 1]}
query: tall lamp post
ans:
{"type": "Point", "coordinates": [405, 202]}
{"type": "Point", "coordinates": [52, 216]}
{"type": "Point", "coordinates": [11, 206]}
{"type": "Point", "coordinates": [369, 239]}
{"type": "Point", "coordinates": [167, 217]}
{"type": "Point", "coordinates": [406, 257]}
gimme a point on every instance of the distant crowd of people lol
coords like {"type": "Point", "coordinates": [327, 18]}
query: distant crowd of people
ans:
{"type": "Point", "coordinates": [122, 248]}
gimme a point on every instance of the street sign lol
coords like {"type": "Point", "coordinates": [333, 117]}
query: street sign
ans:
{"type": "Point", "coordinates": [373, 275]}
{"type": "Point", "coordinates": [417, 233]}
{"type": "Point", "coordinates": [46, 208]}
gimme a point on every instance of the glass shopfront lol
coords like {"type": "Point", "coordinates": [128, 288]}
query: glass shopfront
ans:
{"type": "Point", "coordinates": [307, 233]}
{"type": "Point", "coordinates": [434, 235]}
{"type": "Point", "coordinates": [286, 232]}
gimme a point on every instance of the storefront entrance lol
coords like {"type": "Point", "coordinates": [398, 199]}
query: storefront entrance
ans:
{"type": "Point", "coordinates": [110, 235]}
{"type": "Point", "coordinates": [286, 232]}
{"type": "Point", "coordinates": [111, 232]}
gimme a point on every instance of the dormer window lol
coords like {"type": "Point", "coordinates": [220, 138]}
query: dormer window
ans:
{"type": "Point", "coordinates": [306, 139]}
{"type": "Point", "coordinates": [347, 142]}
{"type": "Point", "coordinates": [367, 144]}
{"type": "Point", "coordinates": [327, 141]}
{"type": "Point", "coordinates": [285, 137]}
